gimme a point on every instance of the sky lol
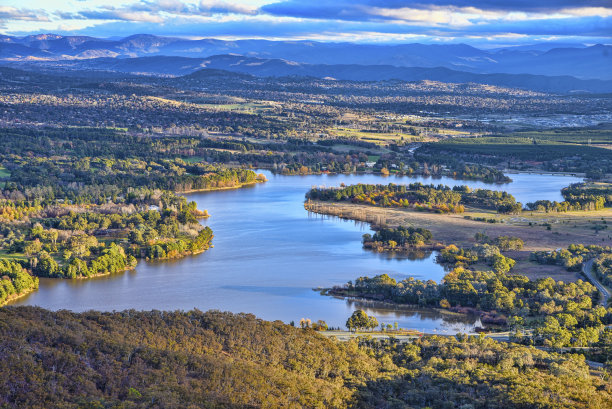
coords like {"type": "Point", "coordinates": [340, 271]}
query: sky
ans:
{"type": "Point", "coordinates": [477, 22]}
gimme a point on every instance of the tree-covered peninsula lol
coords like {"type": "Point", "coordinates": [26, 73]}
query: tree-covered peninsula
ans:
{"type": "Point", "coordinates": [82, 202]}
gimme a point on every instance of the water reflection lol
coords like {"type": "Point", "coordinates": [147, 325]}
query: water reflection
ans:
{"type": "Point", "coordinates": [269, 254]}
{"type": "Point", "coordinates": [412, 254]}
{"type": "Point", "coordinates": [446, 322]}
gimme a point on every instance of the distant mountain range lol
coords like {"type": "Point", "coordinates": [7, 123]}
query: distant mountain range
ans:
{"type": "Point", "coordinates": [260, 67]}
{"type": "Point", "coordinates": [550, 59]}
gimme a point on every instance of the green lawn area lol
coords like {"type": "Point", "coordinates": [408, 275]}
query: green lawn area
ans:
{"type": "Point", "coordinates": [247, 107]}
{"type": "Point", "coordinates": [384, 138]}
{"type": "Point", "coordinates": [570, 136]}
{"type": "Point", "coordinates": [12, 256]}
{"type": "Point", "coordinates": [345, 148]}
{"type": "Point", "coordinates": [193, 159]}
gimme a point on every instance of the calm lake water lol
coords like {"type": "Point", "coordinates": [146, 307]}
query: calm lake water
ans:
{"type": "Point", "coordinates": [269, 254]}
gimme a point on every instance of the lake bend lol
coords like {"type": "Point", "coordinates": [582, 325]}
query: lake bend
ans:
{"type": "Point", "coordinates": [269, 253]}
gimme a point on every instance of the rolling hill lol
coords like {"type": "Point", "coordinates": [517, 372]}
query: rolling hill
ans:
{"type": "Point", "coordinates": [591, 62]}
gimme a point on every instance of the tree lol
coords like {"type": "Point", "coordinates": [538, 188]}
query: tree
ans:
{"type": "Point", "coordinates": [32, 247]}
{"type": "Point", "coordinates": [372, 322]}
{"type": "Point", "coordinates": [305, 323]}
{"type": "Point", "coordinates": [320, 325]}
{"type": "Point", "coordinates": [502, 264]}
{"type": "Point", "coordinates": [47, 266]}
{"type": "Point", "coordinates": [359, 320]}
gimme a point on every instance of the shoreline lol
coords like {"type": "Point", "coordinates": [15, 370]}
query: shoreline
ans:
{"type": "Point", "coordinates": [404, 250]}
{"type": "Point", "coordinates": [181, 256]}
{"type": "Point", "coordinates": [488, 319]}
{"type": "Point", "coordinates": [107, 273]}
{"type": "Point", "coordinates": [15, 297]}
{"type": "Point", "coordinates": [12, 299]}
{"type": "Point", "coordinates": [219, 188]}
{"type": "Point", "coordinates": [391, 174]}
{"type": "Point", "coordinates": [374, 303]}
{"type": "Point", "coordinates": [544, 173]}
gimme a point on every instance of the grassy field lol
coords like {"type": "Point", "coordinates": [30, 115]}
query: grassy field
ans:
{"type": "Point", "coordinates": [244, 107]}
{"type": "Point", "coordinates": [12, 256]}
{"type": "Point", "coordinates": [379, 138]}
{"type": "Point", "coordinates": [384, 138]}
{"type": "Point", "coordinates": [4, 174]}
{"type": "Point", "coordinates": [570, 136]}
{"type": "Point", "coordinates": [522, 146]}
{"type": "Point", "coordinates": [193, 159]}
{"type": "Point", "coordinates": [346, 148]}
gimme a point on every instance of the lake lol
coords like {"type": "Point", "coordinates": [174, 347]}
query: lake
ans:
{"type": "Point", "coordinates": [269, 253]}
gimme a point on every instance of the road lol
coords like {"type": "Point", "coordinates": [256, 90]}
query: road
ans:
{"type": "Point", "coordinates": [403, 336]}
{"type": "Point", "coordinates": [409, 337]}
{"type": "Point", "coordinates": [346, 335]}
{"type": "Point", "coordinates": [587, 269]}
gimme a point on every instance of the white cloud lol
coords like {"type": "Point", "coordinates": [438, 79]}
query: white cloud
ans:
{"type": "Point", "coordinates": [429, 16]}
{"type": "Point", "coordinates": [214, 6]}
{"type": "Point", "coordinates": [13, 13]}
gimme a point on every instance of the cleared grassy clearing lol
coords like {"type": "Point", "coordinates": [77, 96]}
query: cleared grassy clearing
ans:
{"type": "Point", "coordinates": [382, 138]}
{"type": "Point", "coordinates": [12, 256]}
{"type": "Point", "coordinates": [570, 136]}
{"type": "Point", "coordinates": [245, 108]}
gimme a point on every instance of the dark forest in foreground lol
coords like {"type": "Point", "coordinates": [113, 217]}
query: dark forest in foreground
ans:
{"type": "Point", "coordinates": [193, 359]}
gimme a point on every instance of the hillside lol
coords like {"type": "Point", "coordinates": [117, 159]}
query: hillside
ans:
{"type": "Point", "coordinates": [555, 59]}
{"type": "Point", "coordinates": [220, 360]}
{"type": "Point", "coordinates": [179, 66]}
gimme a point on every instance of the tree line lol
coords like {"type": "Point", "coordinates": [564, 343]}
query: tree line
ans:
{"type": "Point", "coordinates": [561, 314]}
{"type": "Point", "coordinates": [438, 199]}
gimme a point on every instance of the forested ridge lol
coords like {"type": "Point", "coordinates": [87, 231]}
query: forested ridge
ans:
{"type": "Point", "coordinates": [91, 165]}
{"type": "Point", "coordinates": [193, 359]}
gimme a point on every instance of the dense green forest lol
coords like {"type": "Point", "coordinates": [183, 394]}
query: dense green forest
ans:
{"type": "Point", "coordinates": [563, 150]}
{"type": "Point", "coordinates": [15, 281]}
{"type": "Point", "coordinates": [454, 256]}
{"type": "Point", "coordinates": [578, 196]}
{"type": "Point", "coordinates": [81, 202]}
{"type": "Point", "coordinates": [399, 238]}
{"type": "Point", "coordinates": [603, 267]}
{"type": "Point", "coordinates": [561, 314]}
{"type": "Point", "coordinates": [193, 359]}
{"type": "Point", "coordinates": [443, 199]}
{"type": "Point", "coordinates": [89, 165]}
{"type": "Point", "coordinates": [437, 199]}
{"type": "Point", "coordinates": [175, 162]}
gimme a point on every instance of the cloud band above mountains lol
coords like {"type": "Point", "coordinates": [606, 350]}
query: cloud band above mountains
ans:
{"type": "Point", "coordinates": [338, 20]}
